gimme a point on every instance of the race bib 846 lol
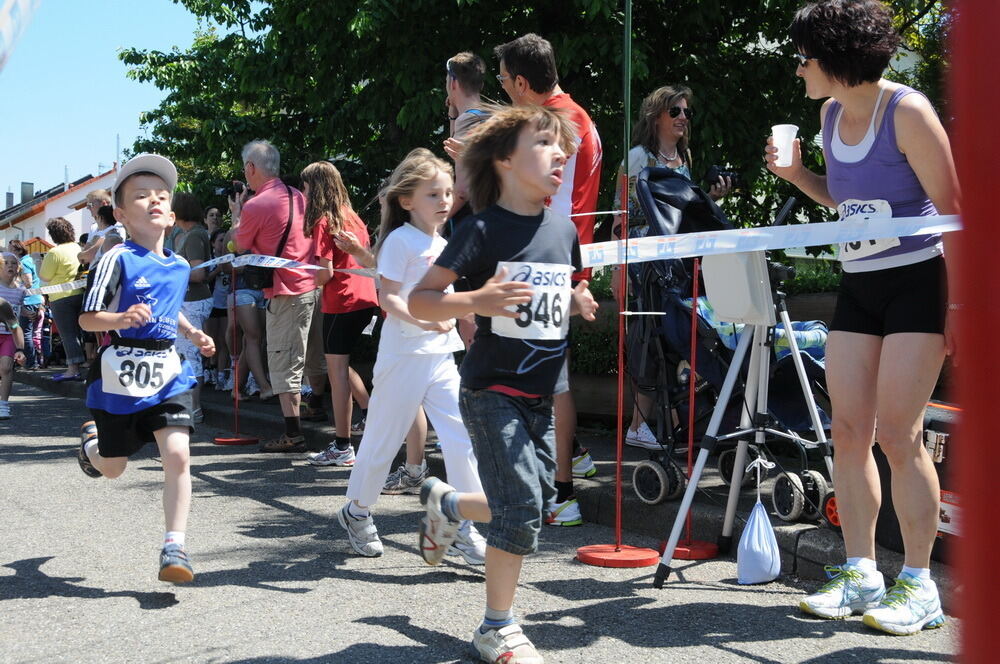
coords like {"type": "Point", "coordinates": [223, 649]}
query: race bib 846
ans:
{"type": "Point", "coordinates": [546, 316]}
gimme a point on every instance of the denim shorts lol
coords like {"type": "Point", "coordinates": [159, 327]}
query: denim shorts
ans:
{"type": "Point", "coordinates": [245, 296]}
{"type": "Point", "coordinates": [514, 440]}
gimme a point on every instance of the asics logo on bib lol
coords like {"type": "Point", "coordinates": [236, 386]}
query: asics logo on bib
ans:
{"type": "Point", "coordinates": [536, 277]}
{"type": "Point", "coordinates": [141, 282]}
{"type": "Point", "coordinates": [851, 209]}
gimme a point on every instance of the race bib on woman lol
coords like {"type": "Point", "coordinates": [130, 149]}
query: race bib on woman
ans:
{"type": "Point", "coordinates": [855, 210]}
{"type": "Point", "coordinates": [546, 316]}
{"type": "Point", "coordinates": [136, 372]}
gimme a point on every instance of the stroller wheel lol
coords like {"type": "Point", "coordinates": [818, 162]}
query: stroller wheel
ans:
{"type": "Point", "coordinates": [830, 514]}
{"type": "Point", "coordinates": [787, 498]}
{"type": "Point", "coordinates": [678, 481]}
{"type": "Point", "coordinates": [816, 489]}
{"type": "Point", "coordinates": [726, 461]}
{"type": "Point", "coordinates": [651, 482]}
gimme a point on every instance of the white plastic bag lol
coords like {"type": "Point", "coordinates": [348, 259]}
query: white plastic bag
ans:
{"type": "Point", "coordinates": [758, 559]}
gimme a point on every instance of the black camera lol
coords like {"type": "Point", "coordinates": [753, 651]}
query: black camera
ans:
{"type": "Point", "coordinates": [779, 273]}
{"type": "Point", "coordinates": [715, 173]}
{"type": "Point", "coordinates": [236, 187]}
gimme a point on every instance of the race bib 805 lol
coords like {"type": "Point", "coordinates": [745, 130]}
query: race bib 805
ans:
{"type": "Point", "coordinates": [854, 210]}
{"type": "Point", "coordinates": [134, 372]}
{"type": "Point", "coordinates": [546, 316]}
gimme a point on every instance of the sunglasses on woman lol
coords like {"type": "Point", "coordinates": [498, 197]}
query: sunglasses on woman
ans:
{"type": "Point", "coordinates": [674, 111]}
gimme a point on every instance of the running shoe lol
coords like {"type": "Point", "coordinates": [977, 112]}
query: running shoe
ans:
{"type": "Point", "coordinates": [88, 432]}
{"type": "Point", "coordinates": [469, 544]}
{"type": "Point", "coordinates": [642, 437]}
{"type": "Point", "coordinates": [331, 456]}
{"type": "Point", "coordinates": [910, 606]}
{"type": "Point", "coordinates": [583, 465]}
{"type": "Point", "coordinates": [506, 644]}
{"type": "Point", "coordinates": [358, 427]}
{"type": "Point", "coordinates": [849, 591]}
{"type": "Point", "coordinates": [361, 532]}
{"type": "Point", "coordinates": [437, 531]}
{"type": "Point", "coordinates": [400, 481]}
{"type": "Point", "coordinates": [566, 513]}
{"type": "Point", "coordinates": [175, 566]}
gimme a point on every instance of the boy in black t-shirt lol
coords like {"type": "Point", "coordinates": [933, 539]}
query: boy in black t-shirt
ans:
{"type": "Point", "coordinates": [518, 257]}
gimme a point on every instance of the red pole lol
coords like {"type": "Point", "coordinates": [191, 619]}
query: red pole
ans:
{"type": "Point", "coordinates": [975, 98]}
{"type": "Point", "coordinates": [692, 382]}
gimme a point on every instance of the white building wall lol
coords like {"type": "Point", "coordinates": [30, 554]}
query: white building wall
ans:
{"type": "Point", "coordinates": [59, 206]}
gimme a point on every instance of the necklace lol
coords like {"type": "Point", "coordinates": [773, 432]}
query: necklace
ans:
{"type": "Point", "coordinates": [665, 158]}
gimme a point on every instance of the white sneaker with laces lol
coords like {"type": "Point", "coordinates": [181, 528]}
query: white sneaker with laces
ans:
{"type": "Point", "coordinates": [400, 481]}
{"type": "Point", "coordinates": [566, 513]}
{"type": "Point", "coordinates": [849, 591]}
{"type": "Point", "coordinates": [506, 644]}
{"type": "Point", "coordinates": [911, 605]}
{"type": "Point", "coordinates": [583, 465]}
{"type": "Point", "coordinates": [331, 456]}
{"type": "Point", "coordinates": [469, 544]}
{"type": "Point", "coordinates": [361, 533]}
{"type": "Point", "coordinates": [642, 437]}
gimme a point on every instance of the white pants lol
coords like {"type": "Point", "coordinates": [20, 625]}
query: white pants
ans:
{"type": "Point", "coordinates": [401, 383]}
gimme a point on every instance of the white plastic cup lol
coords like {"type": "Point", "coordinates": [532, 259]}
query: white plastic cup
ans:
{"type": "Point", "coordinates": [783, 136]}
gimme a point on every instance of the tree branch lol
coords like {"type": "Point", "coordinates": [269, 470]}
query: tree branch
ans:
{"type": "Point", "coordinates": [922, 13]}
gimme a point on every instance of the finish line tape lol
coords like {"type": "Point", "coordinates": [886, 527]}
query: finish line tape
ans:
{"type": "Point", "coordinates": [689, 245]}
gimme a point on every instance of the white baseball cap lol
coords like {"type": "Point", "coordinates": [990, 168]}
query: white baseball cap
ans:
{"type": "Point", "coordinates": [147, 163]}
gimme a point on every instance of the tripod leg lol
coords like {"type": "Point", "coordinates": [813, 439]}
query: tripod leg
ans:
{"type": "Point", "coordinates": [707, 444]}
{"type": "Point", "coordinates": [746, 423]}
{"type": "Point", "coordinates": [800, 370]}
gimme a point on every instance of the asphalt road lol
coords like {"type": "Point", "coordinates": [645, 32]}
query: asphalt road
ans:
{"type": "Point", "coordinates": [277, 581]}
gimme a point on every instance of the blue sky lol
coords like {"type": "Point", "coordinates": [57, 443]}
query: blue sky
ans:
{"type": "Point", "coordinates": [64, 95]}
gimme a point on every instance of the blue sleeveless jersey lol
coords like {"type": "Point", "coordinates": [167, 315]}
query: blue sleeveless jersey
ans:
{"type": "Point", "coordinates": [130, 274]}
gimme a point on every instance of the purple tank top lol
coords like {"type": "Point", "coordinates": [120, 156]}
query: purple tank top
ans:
{"type": "Point", "coordinates": [883, 174]}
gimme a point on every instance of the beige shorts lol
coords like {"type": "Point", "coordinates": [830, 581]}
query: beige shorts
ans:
{"type": "Point", "coordinates": [288, 320]}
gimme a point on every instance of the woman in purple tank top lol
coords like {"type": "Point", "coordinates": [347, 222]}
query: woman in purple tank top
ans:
{"type": "Point", "coordinates": [887, 155]}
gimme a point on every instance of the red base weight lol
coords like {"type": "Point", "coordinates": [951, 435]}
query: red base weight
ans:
{"type": "Point", "coordinates": [695, 550]}
{"type": "Point", "coordinates": [236, 440]}
{"type": "Point", "coordinates": [608, 555]}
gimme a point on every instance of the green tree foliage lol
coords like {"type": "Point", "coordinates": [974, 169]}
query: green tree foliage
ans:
{"type": "Point", "coordinates": [362, 82]}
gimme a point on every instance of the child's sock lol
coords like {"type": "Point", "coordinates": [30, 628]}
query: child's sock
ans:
{"type": "Point", "coordinates": [415, 470]}
{"type": "Point", "coordinates": [564, 491]}
{"type": "Point", "coordinates": [292, 427]}
{"type": "Point", "coordinates": [496, 619]}
{"type": "Point", "coordinates": [174, 537]}
{"type": "Point", "coordinates": [449, 505]}
{"type": "Point", "coordinates": [342, 443]}
{"type": "Point", "coordinates": [921, 573]}
{"type": "Point", "coordinates": [357, 511]}
{"type": "Point", "coordinates": [91, 448]}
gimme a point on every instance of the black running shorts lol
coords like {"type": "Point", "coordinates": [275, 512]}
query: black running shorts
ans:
{"type": "Point", "coordinates": [124, 435]}
{"type": "Point", "coordinates": [912, 298]}
{"type": "Point", "coordinates": [341, 332]}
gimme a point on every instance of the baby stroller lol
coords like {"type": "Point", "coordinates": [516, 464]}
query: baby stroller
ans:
{"type": "Point", "coordinates": [660, 355]}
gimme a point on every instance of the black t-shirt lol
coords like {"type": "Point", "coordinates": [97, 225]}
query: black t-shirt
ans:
{"type": "Point", "coordinates": [527, 354]}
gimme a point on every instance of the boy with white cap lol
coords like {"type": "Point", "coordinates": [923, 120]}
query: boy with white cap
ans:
{"type": "Point", "coordinates": [139, 389]}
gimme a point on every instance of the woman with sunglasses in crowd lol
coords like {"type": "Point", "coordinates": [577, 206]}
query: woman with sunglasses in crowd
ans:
{"type": "Point", "coordinates": [886, 155]}
{"type": "Point", "coordinates": [660, 138]}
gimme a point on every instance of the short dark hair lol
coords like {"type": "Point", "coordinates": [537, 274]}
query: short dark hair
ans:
{"type": "Point", "coordinates": [187, 208]}
{"type": "Point", "coordinates": [106, 214]}
{"type": "Point", "coordinates": [496, 139]}
{"type": "Point", "coordinates": [532, 57]}
{"type": "Point", "coordinates": [468, 69]}
{"type": "Point", "coordinates": [852, 40]}
{"type": "Point", "coordinates": [17, 247]}
{"type": "Point", "coordinates": [61, 230]}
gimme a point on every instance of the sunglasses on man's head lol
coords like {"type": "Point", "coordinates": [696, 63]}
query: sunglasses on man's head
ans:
{"type": "Point", "coordinates": [802, 60]}
{"type": "Point", "coordinates": [674, 111]}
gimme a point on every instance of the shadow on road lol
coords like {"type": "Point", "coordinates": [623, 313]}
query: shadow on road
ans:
{"type": "Point", "coordinates": [30, 582]}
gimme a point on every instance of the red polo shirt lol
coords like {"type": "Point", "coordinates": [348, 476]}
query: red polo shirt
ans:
{"type": "Point", "coordinates": [262, 224]}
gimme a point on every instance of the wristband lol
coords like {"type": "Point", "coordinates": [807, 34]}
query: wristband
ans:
{"type": "Point", "coordinates": [18, 350]}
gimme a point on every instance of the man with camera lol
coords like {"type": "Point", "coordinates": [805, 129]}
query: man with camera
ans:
{"type": "Point", "coordinates": [271, 224]}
